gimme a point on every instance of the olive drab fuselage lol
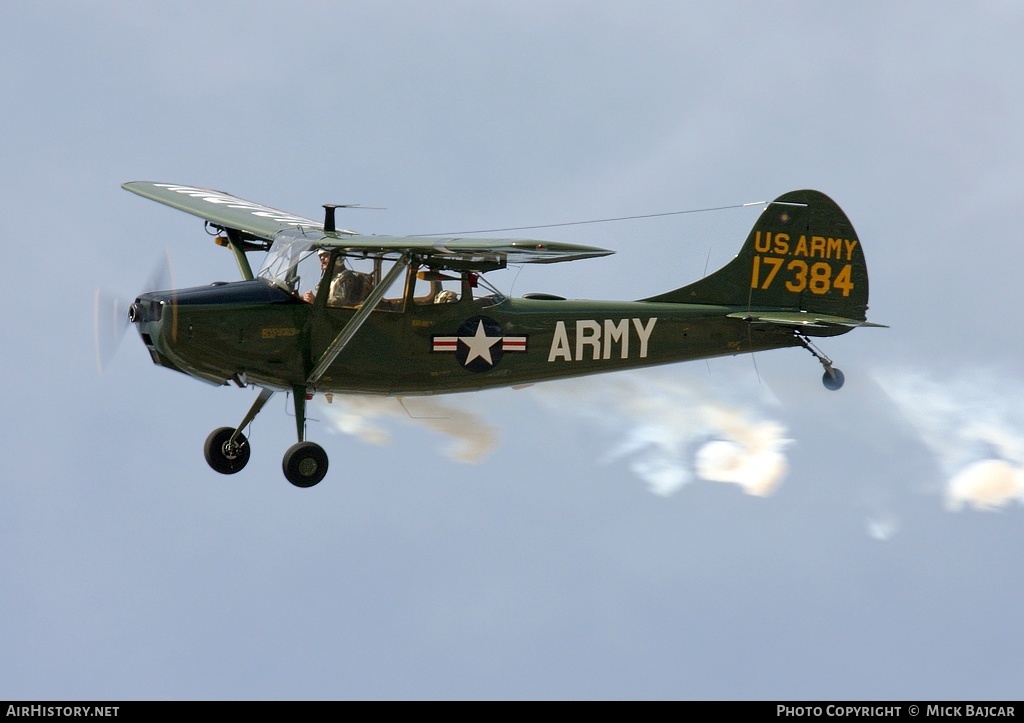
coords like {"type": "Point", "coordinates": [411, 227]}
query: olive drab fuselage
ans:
{"type": "Point", "coordinates": [251, 332]}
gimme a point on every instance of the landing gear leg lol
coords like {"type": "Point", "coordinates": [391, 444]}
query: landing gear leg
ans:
{"type": "Point", "coordinates": [833, 378]}
{"type": "Point", "coordinates": [226, 449]}
{"type": "Point", "coordinates": [305, 463]}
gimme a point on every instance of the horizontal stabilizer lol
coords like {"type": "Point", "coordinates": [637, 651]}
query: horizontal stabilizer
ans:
{"type": "Point", "coordinates": [800, 319]}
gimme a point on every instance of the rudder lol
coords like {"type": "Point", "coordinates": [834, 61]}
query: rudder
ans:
{"type": "Point", "coordinates": [802, 255]}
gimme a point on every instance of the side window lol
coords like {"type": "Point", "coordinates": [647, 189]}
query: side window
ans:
{"type": "Point", "coordinates": [484, 294]}
{"type": "Point", "coordinates": [435, 287]}
{"type": "Point", "coordinates": [352, 280]}
{"type": "Point", "coordinates": [431, 288]}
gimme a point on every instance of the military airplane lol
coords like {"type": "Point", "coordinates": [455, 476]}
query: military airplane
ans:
{"type": "Point", "coordinates": [326, 314]}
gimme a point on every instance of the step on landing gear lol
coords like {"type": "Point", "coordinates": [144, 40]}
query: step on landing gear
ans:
{"type": "Point", "coordinates": [833, 378]}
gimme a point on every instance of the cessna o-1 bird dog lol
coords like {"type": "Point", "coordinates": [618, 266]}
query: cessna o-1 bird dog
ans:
{"type": "Point", "coordinates": [325, 313]}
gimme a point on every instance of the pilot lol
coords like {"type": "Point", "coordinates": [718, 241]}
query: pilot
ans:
{"type": "Point", "coordinates": [325, 259]}
{"type": "Point", "coordinates": [446, 297]}
{"type": "Point", "coordinates": [347, 288]}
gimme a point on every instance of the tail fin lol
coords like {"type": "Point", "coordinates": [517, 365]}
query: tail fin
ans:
{"type": "Point", "coordinates": [801, 255]}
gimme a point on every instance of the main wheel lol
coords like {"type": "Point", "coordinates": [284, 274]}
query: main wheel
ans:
{"type": "Point", "coordinates": [305, 464]}
{"type": "Point", "coordinates": [833, 382]}
{"type": "Point", "coordinates": [223, 456]}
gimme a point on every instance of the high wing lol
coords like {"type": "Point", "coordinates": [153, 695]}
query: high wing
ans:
{"type": "Point", "coordinates": [468, 253]}
{"type": "Point", "coordinates": [230, 212]}
{"type": "Point", "coordinates": [222, 209]}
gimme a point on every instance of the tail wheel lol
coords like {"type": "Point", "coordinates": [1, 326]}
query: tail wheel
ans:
{"type": "Point", "coordinates": [222, 454]}
{"type": "Point", "coordinates": [833, 379]}
{"type": "Point", "coordinates": [305, 464]}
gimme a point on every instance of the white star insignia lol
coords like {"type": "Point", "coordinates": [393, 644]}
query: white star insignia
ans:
{"type": "Point", "coordinates": [480, 344]}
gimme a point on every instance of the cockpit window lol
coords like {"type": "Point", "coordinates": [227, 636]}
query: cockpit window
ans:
{"type": "Point", "coordinates": [291, 258]}
{"type": "Point", "coordinates": [295, 264]}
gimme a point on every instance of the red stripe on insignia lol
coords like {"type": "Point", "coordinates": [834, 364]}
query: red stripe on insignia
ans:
{"type": "Point", "coordinates": [446, 343]}
{"type": "Point", "coordinates": [513, 343]}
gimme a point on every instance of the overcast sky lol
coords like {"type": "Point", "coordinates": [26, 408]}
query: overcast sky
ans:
{"type": "Point", "coordinates": [716, 530]}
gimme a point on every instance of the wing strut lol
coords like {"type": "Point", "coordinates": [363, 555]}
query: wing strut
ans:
{"type": "Point", "coordinates": [236, 242]}
{"type": "Point", "coordinates": [357, 320]}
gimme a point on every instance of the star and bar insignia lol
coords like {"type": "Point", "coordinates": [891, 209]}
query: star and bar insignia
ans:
{"type": "Point", "coordinates": [479, 344]}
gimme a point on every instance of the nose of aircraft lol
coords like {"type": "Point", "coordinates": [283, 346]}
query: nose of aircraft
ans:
{"type": "Point", "coordinates": [145, 308]}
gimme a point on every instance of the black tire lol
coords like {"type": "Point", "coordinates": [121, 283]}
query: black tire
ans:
{"type": "Point", "coordinates": [305, 464]}
{"type": "Point", "coordinates": [224, 459]}
{"type": "Point", "coordinates": [833, 383]}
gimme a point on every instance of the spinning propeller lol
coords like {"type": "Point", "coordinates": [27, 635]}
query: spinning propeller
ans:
{"type": "Point", "coordinates": [110, 312]}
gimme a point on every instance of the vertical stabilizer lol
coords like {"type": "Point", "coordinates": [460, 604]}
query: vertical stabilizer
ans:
{"type": "Point", "coordinates": [801, 255]}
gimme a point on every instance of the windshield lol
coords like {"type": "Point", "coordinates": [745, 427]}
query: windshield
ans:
{"type": "Point", "coordinates": [282, 265]}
